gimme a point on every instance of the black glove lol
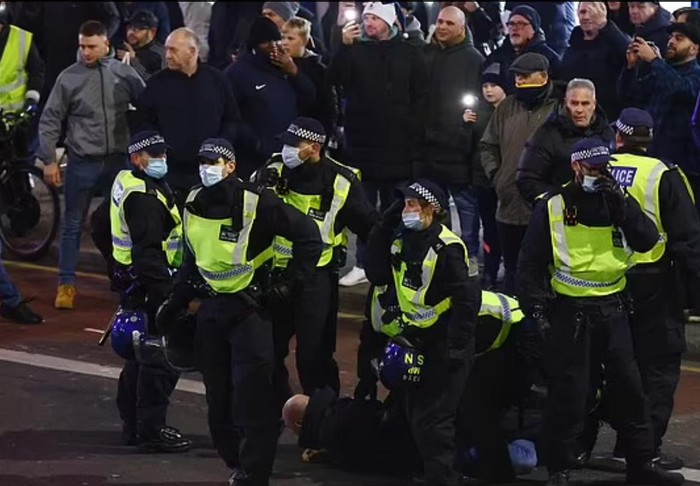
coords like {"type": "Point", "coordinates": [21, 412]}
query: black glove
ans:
{"type": "Point", "coordinates": [614, 198]}
{"type": "Point", "coordinates": [368, 373]}
{"type": "Point", "coordinates": [169, 312]}
{"type": "Point", "coordinates": [391, 218]}
{"type": "Point", "coordinates": [365, 390]}
{"type": "Point", "coordinates": [269, 177]}
{"type": "Point", "coordinates": [277, 294]}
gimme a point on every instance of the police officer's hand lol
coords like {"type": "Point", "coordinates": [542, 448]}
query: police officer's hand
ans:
{"type": "Point", "coordinates": [168, 313]}
{"type": "Point", "coordinates": [269, 177]}
{"type": "Point", "coordinates": [366, 390]}
{"type": "Point", "coordinates": [614, 197]}
{"type": "Point", "coordinates": [391, 218]}
{"type": "Point", "coordinates": [278, 293]}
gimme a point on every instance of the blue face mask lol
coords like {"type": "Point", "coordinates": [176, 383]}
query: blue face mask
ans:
{"type": "Point", "coordinates": [412, 221]}
{"type": "Point", "coordinates": [211, 174]}
{"type": "Point", "coordinates": [156, 168]}
{"type": "Point", "coordinates": [290, 156]}
{"type": "Point", "coordinates": [588, 183]}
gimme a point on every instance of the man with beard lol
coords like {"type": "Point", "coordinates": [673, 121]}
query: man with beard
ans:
{"type": "Point", "coordinates": [668, 93]}
{"type": "Point", "coordinates": [146, 52]}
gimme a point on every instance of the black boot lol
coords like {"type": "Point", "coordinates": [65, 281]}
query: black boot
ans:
{"type": "Point", "coordinates": [167, 439]}
{"type": "Point", "coordinates": [20, 314]}
{"type": "Point", "coordinates": [651, 473]}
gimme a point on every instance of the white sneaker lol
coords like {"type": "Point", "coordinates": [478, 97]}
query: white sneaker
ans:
{"type": "Point", "coordinates": [356, 276]}
{"type": "Point", "coordinates": [473, 266]}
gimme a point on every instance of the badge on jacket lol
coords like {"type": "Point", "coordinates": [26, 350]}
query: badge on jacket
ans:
{"type": "Point", "coordinates": [617, 239]}
{"type": "Point", "coordinates": [227, 233]}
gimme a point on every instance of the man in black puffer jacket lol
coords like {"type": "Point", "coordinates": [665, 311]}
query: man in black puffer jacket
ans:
{"type": "Point", "coordinates": [546, 161]}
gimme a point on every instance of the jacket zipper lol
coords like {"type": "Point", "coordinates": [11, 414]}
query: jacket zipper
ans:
{"type": "Point", "coordinates": [104, 110]}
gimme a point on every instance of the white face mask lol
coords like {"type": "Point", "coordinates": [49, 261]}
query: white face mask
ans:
{"type": "Point", "coordinates": [412, 221]}
{"type": "Point", "coordinates": [588, 183]}
{"type": "Point", "coordinates": [211, 174]}
{"type": "Point", "coordinates": [290, 156]}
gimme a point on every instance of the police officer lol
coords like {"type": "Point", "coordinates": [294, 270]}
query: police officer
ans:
{"type": "Point", "coordinates": [229, 227]}
{"type": "Point", "coordinates": [146, 243]}
{"type": "Point", "coordinates": [583, 239]}
{"type": "Point", "coordinates": [657, 321]}
{"type": "Point", "coordinates": [438, 303]}
{"type": "Point", "coordinates": [500, 378]}
{"type": "Point", "coordinates": [331, 195]}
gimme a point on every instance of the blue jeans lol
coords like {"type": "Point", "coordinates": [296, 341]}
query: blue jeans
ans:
{"type": "Point", "coordinates": [8, 291]}
{"type": "Point", "coordinates": [384, 194]}
{"type": "Point", "coordinates": [468, 211]}
{"type": "Point", "coordinates": [86, 177]}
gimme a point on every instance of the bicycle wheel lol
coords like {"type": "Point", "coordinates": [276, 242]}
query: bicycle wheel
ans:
{"type": "Point", "coordinates": [30, 212]}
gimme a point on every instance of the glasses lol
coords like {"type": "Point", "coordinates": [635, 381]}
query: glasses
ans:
{"type": "Point", "coordinates": [518, 25]}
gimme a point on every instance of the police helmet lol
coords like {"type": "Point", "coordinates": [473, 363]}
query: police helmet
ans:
{"type": "Point", "coordinates": [128, 326]}
{"type": "Point", "coordinates": [401, 364]}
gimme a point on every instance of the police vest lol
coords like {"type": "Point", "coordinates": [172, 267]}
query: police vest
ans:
{"type": "Point", "coordinates": [506, 310]}
{"type": "Point", "coordinates": [13, 73]}
{"type": "Point", "coordinates": [124, 185]}
{"type": "Point", "coordinates": [220, 247]}
{"type": "Point", "coordinates": [588, 261]}
{"type": "Point", "coordinates": [323, 209]}
{"type": "Point", "coordinates": [412, 284]}
{"type": "Point", "coordinates": [641, 176]}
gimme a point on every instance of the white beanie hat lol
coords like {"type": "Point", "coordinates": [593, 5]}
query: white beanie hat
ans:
{"type": "Point", "coordinates": [386, 12]}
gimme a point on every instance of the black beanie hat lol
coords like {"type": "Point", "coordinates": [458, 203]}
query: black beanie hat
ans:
{"type": "Point", "coordinates": [263, 30]}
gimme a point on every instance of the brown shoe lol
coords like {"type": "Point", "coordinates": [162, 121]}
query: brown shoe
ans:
{"type": "Point", "coordinates": [65, 297]}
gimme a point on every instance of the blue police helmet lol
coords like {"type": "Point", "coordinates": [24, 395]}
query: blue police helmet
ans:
{"type": "Point", "coordinates": [401, 364]}
{"type": "Point", "coordinates": [124, 324]}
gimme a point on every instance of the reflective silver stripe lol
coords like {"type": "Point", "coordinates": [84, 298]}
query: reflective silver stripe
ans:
{"type": "Point", "coordinates": [234, 272]}
{"type": "Point", "coordinates": [426, 273]}
{"type": "Point", "coordinates": [174, 245]}
{"type": "Point", "coordinates": [568, 279]}
{"type": "Point", "coordinates": [376, 309]}
{"type": "Point", "coordinates": [650, 206]}
{"type": "Point", "coordinates": [193, 194]}
{"type": "Point", "coordinates": [281, 249]}
{"type": "Point", "coordinates": [23, 38]}
{"type": "Point", "coordinates": [562, 246]}
{"type": "Point", "coordinates": [186, 217]}
{"type": "Point", "coordinates": [505, 305]}
{"type": "Point", "coordinates": [250, 203]}
{"type": "Point", "coordinates": [340, 188]}
{"type": "Point", "coordinates": [122, 242]}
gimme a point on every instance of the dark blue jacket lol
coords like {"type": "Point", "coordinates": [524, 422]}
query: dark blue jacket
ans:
{"type": "Point", "coordinates": [505, 55]}
{"type": "Point", "coordinates": [187, 111]}
{"type": "Point", "coordinates": [558, 21]}
{"type": "Point", "coordinates": [269, 100]}
{"type": "Point", "coordinates": [126, 11]}
{"type": "Point", "coordinates": [599, 60]}
{"type": "Point", "coordinates": [668, 93]}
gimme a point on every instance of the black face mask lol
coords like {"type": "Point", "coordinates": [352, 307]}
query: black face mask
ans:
{"type": "Point", "coordinates": [532, 96]}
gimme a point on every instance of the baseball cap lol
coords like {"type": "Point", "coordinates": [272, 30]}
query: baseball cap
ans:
{"type": "Point", "coordinates": [143, 19]}
{"type": "Point", "coordinates": [428, 191]}
{"type": "Point", "coordinates": [303, 128]}
{"type": "Point", "coordinates": [592, 152]}
{"type": "Point", "coordinates": [212, 149]}
{"type": "Point", "coordinates": [147, 140]}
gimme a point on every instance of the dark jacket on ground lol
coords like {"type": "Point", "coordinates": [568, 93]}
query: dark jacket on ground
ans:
{"type": "Point", "coordinates": [384, 86]}
{"type": "Point", "coordinates": [668, 93]}
{"type": "Point", "coordinates": [536, 255]}
{"type": "Point", "coordinates": [269, 101]}
{"type": "Point", "coordinates": [187, 111]}
{"type": "Point", "coordinates": [273, 217]}
{"type": "Point", "coordinates": [149, 224]}
{"type": "Point", "coordinates": [599, 60]}
{"type": "Point", "coordinates": [558, 20]}
{"type": "Point", "coordinates": [655, 29]}
{"type": "Point", "coordinates": [126, 10]}
{"type": "Point", "coordinates": [546, 161]}
{"type": "Point", "coordinates": [505, 55]}
{"type": "Point", "coordinates": [453, 334]}
{"type": "Point", "coordinates": [365, 435]}
{"type": "Point", "coordinates": [55, 26]}
{"type": "Point", "coordinates": [325, 106]}
{"type": "Point", "coordinates": [448, 151]}
{"type": "Point", "coordinates": [34, 67]}
{"type": "Point", "coordinates": [657, 289]}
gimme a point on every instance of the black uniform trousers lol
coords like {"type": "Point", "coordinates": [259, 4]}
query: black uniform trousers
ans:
{"type": "Point", "coordinates": [143, 396]}
{"type": "Point", "coordinates": [659, 339]}
{"type": "Point", "coordinates": [587, 333]}
{"type": "Point", "coordinates": [311, 313]}
{"type": "Point", "coordinates": [431, 410]}
{"type": "Point", "coordinates": [234, 352]}
{"type": "Point", "coordinates": [499, 379]}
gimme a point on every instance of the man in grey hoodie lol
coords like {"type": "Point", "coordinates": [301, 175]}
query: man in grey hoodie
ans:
{"type": "Point", "coordinates": [92, 97]}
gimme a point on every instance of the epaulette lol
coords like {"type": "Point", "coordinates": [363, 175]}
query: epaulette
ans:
{"type": "Point", "coordinates": [343, 170]}
{"type": "Point", "coordinates": [252, 186]}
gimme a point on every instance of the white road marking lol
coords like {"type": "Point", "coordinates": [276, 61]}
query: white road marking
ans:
{"type": "Point", "coordinates": [692, 475]}
{"type": "Point", "coordinates": [83, 368]}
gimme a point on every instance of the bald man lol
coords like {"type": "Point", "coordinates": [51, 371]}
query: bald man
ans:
{"type": "Point", "coordinates": [451, 149]}
{"type": "Point", "coordinates": [187, 103]}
